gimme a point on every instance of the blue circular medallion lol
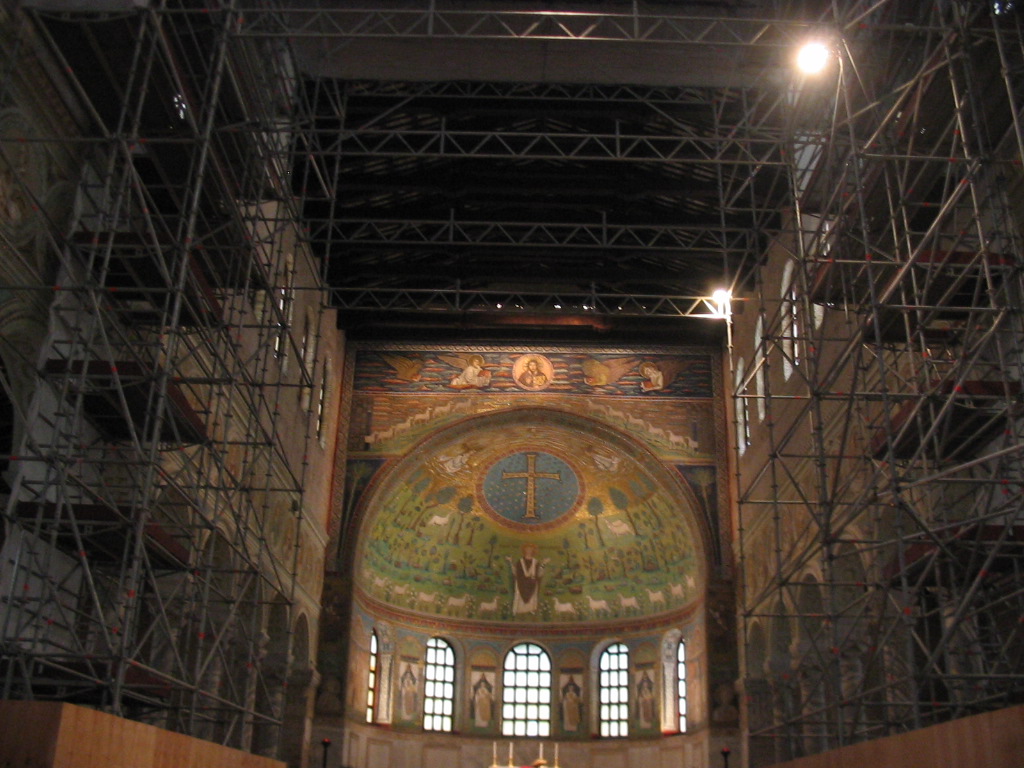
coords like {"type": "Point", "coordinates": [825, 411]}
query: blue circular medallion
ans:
{"type": "Point", "coordinates": [531, 488]}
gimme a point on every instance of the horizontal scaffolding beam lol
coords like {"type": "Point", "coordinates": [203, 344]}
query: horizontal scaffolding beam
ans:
{"type": "Point", "coordinates": [396, 23]}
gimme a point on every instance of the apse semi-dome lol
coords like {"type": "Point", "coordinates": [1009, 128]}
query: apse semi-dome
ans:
{"type": "Point", "coordinates": [529, 516]}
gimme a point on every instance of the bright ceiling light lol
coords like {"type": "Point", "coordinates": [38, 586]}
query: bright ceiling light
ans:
{"type": "Point", "coordinates": [722, 299]}
{"type": "Point", "coordinates": [812, 58]}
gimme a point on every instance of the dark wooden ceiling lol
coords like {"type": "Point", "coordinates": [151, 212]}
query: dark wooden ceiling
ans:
{"type": "Point", "coordinates": [540, 192]}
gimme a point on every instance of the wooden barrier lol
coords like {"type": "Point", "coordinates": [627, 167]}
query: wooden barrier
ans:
{"type": "Point", "coordinates": [990, 740]}
{"type": "Point", "coordinates": [42, 734]}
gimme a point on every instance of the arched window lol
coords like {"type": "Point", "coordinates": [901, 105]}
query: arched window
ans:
{"type": "Point", "coordinates": [304, 344]}
{"type": "Point", "coordinates": [321, 401]}
{"type": "Point", "coordinates": [613, 690]}
{"type": "Point", "coordinates": [439, 696]}
{"type": "Point", "coordinates": [308, 357]}
{"type": "Point", "coordinates": [790, 330]}
{"type": "Point", "coordinates": [742, 409]}
{"type": "Point", "coordinates": [371, 680]}
{"type": "Point", "coordinates": [526, 692]}
{"type": "Point", "coordinates": [825, 250]}
{"type": "Point", "coordinates": [284, 301]}
{"type": "Point", "coordinates": [759, 363]}
{"type": "Point", "coordinates": [681, 683]}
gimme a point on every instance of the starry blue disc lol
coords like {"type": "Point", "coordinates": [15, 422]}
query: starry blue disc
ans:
{"type": "Point", "coordinates": [531, 488]}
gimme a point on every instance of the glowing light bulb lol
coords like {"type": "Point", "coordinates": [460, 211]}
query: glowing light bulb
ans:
{"type": "Point", "coordinates": [722, 299]}
{"type": "Point", "coordinates": [812, 58]}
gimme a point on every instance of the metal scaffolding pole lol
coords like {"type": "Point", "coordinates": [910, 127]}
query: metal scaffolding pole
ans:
{"type": "Point", "coordinates": [879, 498]}
{"type": "Point", "coordinates": [155, 518]}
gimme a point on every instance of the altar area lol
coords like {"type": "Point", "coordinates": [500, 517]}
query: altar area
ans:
{"type": "Point", "coordinates": [369, 746]}
{"type": "Point", "coordinates": [537, 762]}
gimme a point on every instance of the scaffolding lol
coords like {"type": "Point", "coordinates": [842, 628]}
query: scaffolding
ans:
{"type": "Point", "coordinates": [879, 396]}
{"type": "Point", "coordinates": [155, 504]}
{"type": "Point", "coordinates": [154, 514]}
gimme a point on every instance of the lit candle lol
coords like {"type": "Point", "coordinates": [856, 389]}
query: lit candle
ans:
{"type": "Point", "coordinates": [494, 753]}
{"type": "Point", "coordinates": [510, 753]}
{"type": "Point", "coordinates": [541, 756]}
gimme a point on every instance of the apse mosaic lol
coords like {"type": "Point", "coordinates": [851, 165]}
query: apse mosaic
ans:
{"type": "Point", "coordinates": [530, 516]}
{"type": "Point", "coordinates": [665, 400]}
{"type": "Point", "coordinates": [425, 371]}
{"type": "Point", "coordinates": [530, 489]}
